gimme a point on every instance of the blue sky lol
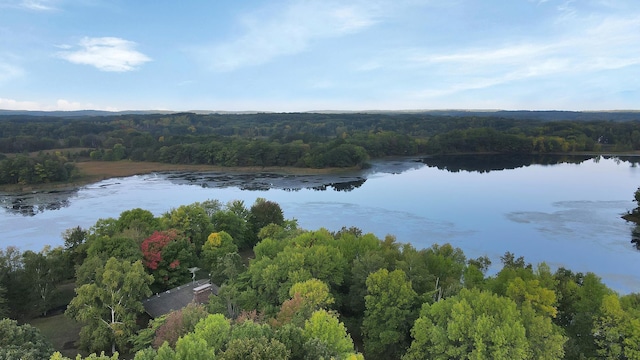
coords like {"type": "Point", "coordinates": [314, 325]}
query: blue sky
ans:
{"type": "Point", "coordinates": [320, 55]}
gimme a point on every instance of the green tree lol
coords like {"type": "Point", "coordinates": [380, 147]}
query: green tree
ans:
{"type": "Point", "coordinates": [264, 212]}
{"type": "Point", "coordinates": [75, 244]}
{"type": "Point", "coordinates": [257, 348]}
{"type": "Point", "coordinates": [306, 297]}
{"type": "Point", "coordinates": [537, 307]}
{"type": "Point", "coordinates": [137, 223]}
{"type": "Point", "coordinates": [471, 325]}
{"type": "Point", "coordinates": [4, 308]}
{"type": "Point", "coordinates": [615, 332]}
{"type": "Point", "coordinates": [93, 356]}
{"type": "Point", "coordinates": [326, 327]}
{"type": "Point", "coordinates": [390, 306]}
{"type": "Point", "coordinates": [215, 330]}
{"type": "Point", "coordinates": [108, 307]}
{"type": "Point", "coordinates": [43, 271]}
{"type": "Point", "coordinates": [192, 220]}
{"type": "Point", "coordinates": [22, 342]}
{"type": "Point", "coordinates": [194, 347]}
{"type": "Point", "coordinates": [214, 252]}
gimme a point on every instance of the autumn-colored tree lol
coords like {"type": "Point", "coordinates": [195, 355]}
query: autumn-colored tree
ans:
{"type": "Point", "coordinates": [168, 256]}
{"type": "Point", "coordinates": [153, 245]}
{"type": "Point", "coordinates": [215, 251]}
{"type": "Point", "coordinates": [179, 323]}
{"type": "Point", "coordinates": [192, 221]}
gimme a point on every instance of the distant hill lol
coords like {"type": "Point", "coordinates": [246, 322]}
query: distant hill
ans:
{"type": "Point", "coordinates": [543, 115]}
{"type": "Point", "coordinates": [547, 115]}
{"type": "Point", "coordinates": [80, 113]}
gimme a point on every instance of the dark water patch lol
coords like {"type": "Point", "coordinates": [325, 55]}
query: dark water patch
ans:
{"type": "Point", "coordinates": [33, 203]}
{"type": "Point", "coordinates": [267, 181]}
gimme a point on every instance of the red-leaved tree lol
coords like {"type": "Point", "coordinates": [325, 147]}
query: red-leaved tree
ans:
{"type": "Point", "coordinates": [168, 255]}
{"type": "Point", "coordinates": [152, 247]}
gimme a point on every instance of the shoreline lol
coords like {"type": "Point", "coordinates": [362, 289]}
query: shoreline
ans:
{"type": "Point", "coordinates": [95, 171]}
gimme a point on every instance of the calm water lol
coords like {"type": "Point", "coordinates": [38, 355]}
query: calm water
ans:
{"type": "Point", "coordinates": [565, 214]}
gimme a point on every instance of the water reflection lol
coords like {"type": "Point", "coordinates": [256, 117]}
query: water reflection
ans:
{"type": "Point", "coordinates": [635, 236]}
{"type": "Point", "coordinates": [498, 162]}
{"type": "Point", "coordinates": [30, 204]}
{"type": "Point", "coordinates": [267, 181]}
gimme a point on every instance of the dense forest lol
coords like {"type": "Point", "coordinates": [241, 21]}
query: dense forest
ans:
{"type": "Point", "coordinates": [311, 140]}
{"type": "Point", "coordinates": [291, 293]}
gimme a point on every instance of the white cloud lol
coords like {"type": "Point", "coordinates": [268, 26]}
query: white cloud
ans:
{"type": "Point", "coordinates": [9, 72]}
{"type": "Point", "coordinates": [11, 104]}
{"type": "Point", "coordinates": [38, 5]}
{"type": "Point", "coordinates": [284, 31]}
{"type": "Point", "coordinates": [59, 105]}
{"type": "Point", "coordinates": [106, 54]}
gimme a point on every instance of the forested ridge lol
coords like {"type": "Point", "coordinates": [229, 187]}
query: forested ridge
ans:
{"type": "Point", "coordinates": [292, 293]}
{"type": "Point", "coordinates": [308, 140]}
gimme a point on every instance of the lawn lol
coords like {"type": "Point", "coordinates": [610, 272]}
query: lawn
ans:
{"type": "Point", "coordinates": [61, 331]}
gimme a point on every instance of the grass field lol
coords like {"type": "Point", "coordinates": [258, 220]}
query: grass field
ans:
{"type": "Point", "coordinates": [61, 331]}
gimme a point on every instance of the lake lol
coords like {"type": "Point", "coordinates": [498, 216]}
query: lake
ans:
{"type": "Point", "coordinates": [561, 210]}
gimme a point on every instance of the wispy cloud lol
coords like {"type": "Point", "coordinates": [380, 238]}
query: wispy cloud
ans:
{"type": "Point", "coordinates": [106, 54]}
{"type": "Point", "coordinates": [59, 105]}
{"type": "Point", "coordinates": [9, 71]}
{"type": "Point", "coordinates": [38, 5]}
{"type": "Point", "coordinates": [288, 30]}
{"type": "Point", "coordinates": [35, 5]}
{"type": "Point", "coordinates": [604, 44]}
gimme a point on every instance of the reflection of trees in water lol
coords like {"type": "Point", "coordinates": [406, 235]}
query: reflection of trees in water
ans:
{"type": "Point", "coordinates": [341, 186]}
{"type": "Point", "coordinates": [635, 236]}
{"type": "Point", "coordinates": [266, 181]}
{"type": "Point", "coordinates": [497, 162]}
{"type": "Point", "coordinates": [35, 203]}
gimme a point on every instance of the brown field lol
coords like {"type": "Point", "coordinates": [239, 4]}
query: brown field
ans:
{"type": "Point", "coordinates": [101, 170]}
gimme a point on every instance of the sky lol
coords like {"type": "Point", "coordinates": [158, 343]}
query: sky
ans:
{"type": "Point", "coordinates": [312, 55]}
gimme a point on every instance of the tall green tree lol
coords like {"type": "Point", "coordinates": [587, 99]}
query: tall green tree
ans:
{"type": "Point", "coordinates": [615, 332]}
{"type": "Point", "coordinates": [325, 327]}
{"type": "Point", "coordinates": [214, 252]}
{"type": "Point", "coordinates": [472, 325]}
{"type": "Point", "coordinates": [44, 270]}
{"type": "Point", "coordinates": [390, 310]}
{"type": "Point", "coordinates": [255, 348]}
{"type": "Point", "coordinates": [23, 342]}
{"type": "Point", "coordinates": [109, 306]}
{"type": "Point", "coordinates": [537, 306]}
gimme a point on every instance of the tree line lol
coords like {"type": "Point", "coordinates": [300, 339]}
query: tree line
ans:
{"type": "Point", "coordinates": [301, 139]}
{"type": "Point", "coordinates": [305, 294]}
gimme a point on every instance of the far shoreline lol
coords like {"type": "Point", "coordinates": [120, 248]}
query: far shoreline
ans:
{"type": "Point", "coordinates": [95, 171]}
{"type": "Point", "coordinates": [92, 171]}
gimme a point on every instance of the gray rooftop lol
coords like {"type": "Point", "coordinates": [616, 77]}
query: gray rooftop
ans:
{"type": "Point", "coordinates": [174, 299]}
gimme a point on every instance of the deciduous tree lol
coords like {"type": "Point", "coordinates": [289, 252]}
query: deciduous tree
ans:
{"type": "Point", "coordinates": [471, 325]}
{"type": "Point", "coordinates": [390, 308]}
{"type": "Point", "coordinates": [108, 307]}
{"type": "Point", "coordinates": [22, 342]}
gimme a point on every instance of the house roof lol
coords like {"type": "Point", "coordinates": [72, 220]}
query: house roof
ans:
{"type": "Point", "coordinates": [174, 299]}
